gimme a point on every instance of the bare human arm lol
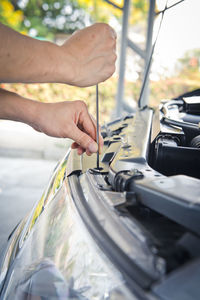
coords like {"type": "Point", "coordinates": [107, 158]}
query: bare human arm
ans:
{"type": "Point", "coordinates": [85, 59]}
{"type": "Point", "coordinates": [62, 119]}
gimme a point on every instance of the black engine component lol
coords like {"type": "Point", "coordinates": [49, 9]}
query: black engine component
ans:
{"type": "Point", "coordinates": [192, 105]}
{"type": "Point", "coordinates": [175, 144]}
{"type": "Point", "coordinates": [195, 142]}
{"type": "Point", "coordinates": [171, 159]}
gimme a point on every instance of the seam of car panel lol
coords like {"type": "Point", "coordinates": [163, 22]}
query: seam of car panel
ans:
{"type": "Point", "coordinates": [101, 236]}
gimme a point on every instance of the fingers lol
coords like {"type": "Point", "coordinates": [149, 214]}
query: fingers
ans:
{"type": "Point", "coordinates": [69, 120]}
{"type": "Point", "coordinates": [86, 124]}
{"type": "Point", "coordinates": [93, 131]}
{"type": "Point", "coordinates": [108, 30]}
{"type": "Point", "coordinates": [81, 150]}
{"type": "Point", "coordinates": [101, 142]}
{"type": "Point", "coordinates": [83, 140]}
{"type": "Point", "coordinates": [74, 145]}
{"type": "Point", "coordinates": [114, 34]}
{"type": "Point", "coordinates": [92, 53]}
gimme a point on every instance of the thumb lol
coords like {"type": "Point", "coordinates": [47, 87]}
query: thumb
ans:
{"type": "Point", "coordinates": [84, 140]}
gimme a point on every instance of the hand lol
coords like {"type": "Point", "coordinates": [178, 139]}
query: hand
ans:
{"type": "Point", "coordinates": [69, 120]}
{"type": "Point", "coordinates": [63, 119]}
{"type": "Point", "coordinates": [86, 58]}
{"type": "Point", "coordinates": [92, 54]}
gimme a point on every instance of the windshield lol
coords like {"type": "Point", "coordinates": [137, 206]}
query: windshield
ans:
{"type": "Point", "coordinates": [175, 66]}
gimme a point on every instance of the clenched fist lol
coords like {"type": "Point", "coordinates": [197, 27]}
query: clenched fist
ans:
{"type": "Point", "coordinates": [86, 58]}
{"type": "Point", "coordinates": [92, 54]}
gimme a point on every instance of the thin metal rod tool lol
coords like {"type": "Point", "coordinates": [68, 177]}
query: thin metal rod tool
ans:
{"type": "Point", "coordinates": [97, 117]}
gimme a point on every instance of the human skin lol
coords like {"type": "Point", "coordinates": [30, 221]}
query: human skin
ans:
{"type": "Point", "coordinates": [68, 119]}
{"type": "Point", "coordinates": [86, 58]}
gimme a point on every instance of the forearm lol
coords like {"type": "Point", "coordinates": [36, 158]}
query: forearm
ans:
{"type": "Point", "coordinates": [16, 108]}
{"type": "Point", "coordinates": [24, 59]}
{"type": "Point", "coordinates": [86, 58]}
{"type": "Point", "coordinates": [62, 119]}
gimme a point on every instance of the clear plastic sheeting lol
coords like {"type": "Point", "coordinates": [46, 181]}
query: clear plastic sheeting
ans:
{"type": "Point", "coordinates": [46, 281]}
{"type": "Point", "coordinates": [60, 260]}
{"type": "Point", "coordinates": [129, 235]}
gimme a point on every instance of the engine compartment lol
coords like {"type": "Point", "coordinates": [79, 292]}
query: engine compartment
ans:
{"type": "Point", "coordinates": [175, 140]}
{"type": "Point", "coordinates": [149, 174]}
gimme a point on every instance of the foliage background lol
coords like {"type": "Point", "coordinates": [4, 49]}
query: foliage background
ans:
{"type": "Point", "coordinates": [11, 16]}
{"type": "Point", "coordinates": [49, 17]}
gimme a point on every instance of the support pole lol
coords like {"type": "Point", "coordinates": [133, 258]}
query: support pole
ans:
{"type": "Point", "coordinates": [151, 16]}
{"type": "Point", "coordinates": [124, 41]}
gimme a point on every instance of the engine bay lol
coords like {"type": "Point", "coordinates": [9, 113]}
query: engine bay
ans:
{"type": "Point", "coordinates": [149, 174]}
{"type": "Point", "coordinates": [175, 139]}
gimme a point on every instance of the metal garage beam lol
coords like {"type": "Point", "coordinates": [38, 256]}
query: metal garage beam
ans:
{"type": "Point", "coordinates": [125, 43]}
{"type": "Point", "coordinates": [114, 4]}
{"type": "Point", "coordinates": [151, 16]}
{"type": "Point", "coordinates": [123, 50]}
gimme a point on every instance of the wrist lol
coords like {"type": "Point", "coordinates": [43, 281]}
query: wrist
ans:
{"type": "Point", "coordinates": [67, 66]}
{"type": "Point", "coordinates": [61, 64]}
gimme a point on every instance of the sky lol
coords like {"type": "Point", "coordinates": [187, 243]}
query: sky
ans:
{"type": "Point", "coordinates": [180, 32]}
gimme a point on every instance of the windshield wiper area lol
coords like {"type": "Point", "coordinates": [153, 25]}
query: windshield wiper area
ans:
{"type": "Point", "coordinates": [160, 183]}
{"type": "Point", "coordinates": [177, 196]}
{"type": "Point", "coordinates": [149, 180]}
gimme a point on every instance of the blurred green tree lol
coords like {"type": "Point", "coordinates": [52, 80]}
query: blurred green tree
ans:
{"type": "Point", "coordinates": [102, 10]}
{"type": "Point", "coordinates": [11, 16]}
{"type": "Point", "coordinates": [190, 62]}
{"type": "Point", "coordinates": [46, 17]}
